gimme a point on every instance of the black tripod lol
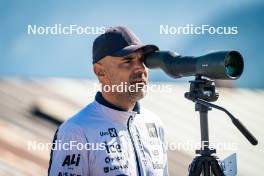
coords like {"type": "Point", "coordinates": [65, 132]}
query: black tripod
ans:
{"type": "Point", "coordinates": [202, 91]}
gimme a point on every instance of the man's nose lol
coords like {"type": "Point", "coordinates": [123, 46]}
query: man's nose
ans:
{"type": "Point", "coordinates": [141, 66]}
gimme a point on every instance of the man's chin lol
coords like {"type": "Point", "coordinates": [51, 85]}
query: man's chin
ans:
{"type": "Point", "coordinates": [141, 93]}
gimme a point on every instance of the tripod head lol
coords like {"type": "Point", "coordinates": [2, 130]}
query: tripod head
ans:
{"type": "Point", "coordinates": [202, 88]}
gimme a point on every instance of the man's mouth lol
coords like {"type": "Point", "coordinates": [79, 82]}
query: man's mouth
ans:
{"type": "Point", "coordinates": [139, 81]}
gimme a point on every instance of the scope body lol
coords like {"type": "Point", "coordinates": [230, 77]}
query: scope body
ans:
{"type": "Point", "coordinates": [216, 65]}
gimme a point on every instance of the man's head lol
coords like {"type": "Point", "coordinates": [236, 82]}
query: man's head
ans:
{"type": "Point", "coordinates": [118, 59]}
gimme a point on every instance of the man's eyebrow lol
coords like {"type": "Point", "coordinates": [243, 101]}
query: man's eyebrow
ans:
{"type": "Point", "coordinates": [129, 57]}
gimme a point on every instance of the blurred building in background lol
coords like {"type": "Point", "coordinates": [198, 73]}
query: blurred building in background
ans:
{"type": "Point", "coordinates": [31, 110]}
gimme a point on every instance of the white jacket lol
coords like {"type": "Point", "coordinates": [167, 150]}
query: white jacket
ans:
{"type": "Point", "coordinates": [108, 141]}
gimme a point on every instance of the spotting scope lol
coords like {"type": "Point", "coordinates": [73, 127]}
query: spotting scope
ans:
{"type": "Point", "coordinates": [215, 65]}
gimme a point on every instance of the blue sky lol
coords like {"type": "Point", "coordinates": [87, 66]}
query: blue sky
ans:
{"type": "Point", "coordinates": [70, 56]}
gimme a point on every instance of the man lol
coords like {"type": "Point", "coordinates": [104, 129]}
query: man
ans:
{"type": "Point", "coordinates": [122, 138]}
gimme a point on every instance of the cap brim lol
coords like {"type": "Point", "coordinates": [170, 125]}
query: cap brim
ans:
{"type": "Point", "coordinates": [132, 48]}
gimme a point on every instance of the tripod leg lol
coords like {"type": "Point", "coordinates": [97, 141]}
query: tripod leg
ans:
{"type": "Point", "coordinates": [206, 168]}
{"type": "Point", "coordinates": [216, 169]}
{"type": "Point", "coordinates": [195, 168]}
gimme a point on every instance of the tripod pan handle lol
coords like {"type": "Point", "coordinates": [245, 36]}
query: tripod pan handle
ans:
{"type": "Point", "coordinates": [244, 131]}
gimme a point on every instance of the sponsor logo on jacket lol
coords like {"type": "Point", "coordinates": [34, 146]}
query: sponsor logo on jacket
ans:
{"type": "Point", "coordinates": [152, 131]}
{"type": "Point", "coordinates": [71, 160]}
{"type": "Point", "coordinates": [110, 131]}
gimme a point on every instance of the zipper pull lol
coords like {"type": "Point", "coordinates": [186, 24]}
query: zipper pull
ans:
{"type": "Point", "coordinates": [130, 119]}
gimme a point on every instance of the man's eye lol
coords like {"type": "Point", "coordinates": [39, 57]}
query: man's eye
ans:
{"type": "Point", "coordinates": [127, 61]}
{"type": "Point", "coordinates": [142, 57]}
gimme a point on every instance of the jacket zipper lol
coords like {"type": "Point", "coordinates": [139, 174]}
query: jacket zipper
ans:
{"type": "Point", "coordinates": [133, 144]}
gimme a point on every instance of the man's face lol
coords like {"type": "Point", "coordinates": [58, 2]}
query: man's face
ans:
{"type": "Point", "coordinates": [129, 70]}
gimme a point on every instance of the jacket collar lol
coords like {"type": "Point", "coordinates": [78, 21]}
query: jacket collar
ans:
{"type": "Point", "coordinates": [100, 99]}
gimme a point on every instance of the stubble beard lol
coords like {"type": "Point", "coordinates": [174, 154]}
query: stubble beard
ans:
{"type": "Point", "coordinates": [138, 94]}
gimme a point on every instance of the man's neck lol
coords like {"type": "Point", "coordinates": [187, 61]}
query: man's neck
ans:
{"type": "Point", "coordinates": [119, 101]}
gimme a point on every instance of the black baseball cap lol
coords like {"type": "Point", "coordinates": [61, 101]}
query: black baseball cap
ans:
{"type": "Point", "coordinates": [118, 41]}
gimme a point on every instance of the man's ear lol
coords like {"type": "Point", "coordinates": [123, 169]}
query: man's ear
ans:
{"type": "Point", "coordinates": [99, 71]}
